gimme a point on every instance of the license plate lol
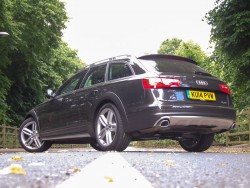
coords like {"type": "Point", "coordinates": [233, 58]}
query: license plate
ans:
{"type": "Point", "coordinates": [201, 95]}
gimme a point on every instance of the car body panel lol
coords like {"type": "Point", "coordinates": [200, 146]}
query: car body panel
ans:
{"type": "Point", "coordinates": [143, 111]}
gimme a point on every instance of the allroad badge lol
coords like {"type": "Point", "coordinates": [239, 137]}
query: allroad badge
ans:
{"type": "Point", "coordinates": [201, 82]}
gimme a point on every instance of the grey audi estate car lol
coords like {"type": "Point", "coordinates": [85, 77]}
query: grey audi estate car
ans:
{"type": "Point", "coordinates": [112, 102]}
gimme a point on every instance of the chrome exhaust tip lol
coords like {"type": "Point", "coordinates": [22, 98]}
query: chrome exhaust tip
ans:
{"type": "Point", "coordinates": [164, 123]}
{"type": "Point", "coordinates": [233, 125]}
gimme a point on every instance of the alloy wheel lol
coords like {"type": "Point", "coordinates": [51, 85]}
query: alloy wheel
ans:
{"type": "Point", "coordinates": [30, 136]}
{"type": "Point", "coordinates": [106, 127]}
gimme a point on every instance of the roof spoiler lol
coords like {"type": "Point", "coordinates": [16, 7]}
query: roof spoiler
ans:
{"type": "Point", "coordinates": [153, 56]}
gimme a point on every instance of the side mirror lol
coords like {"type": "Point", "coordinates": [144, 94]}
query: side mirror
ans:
{"type": "Point", "coordinates": [3, 34]}
{"type": "Point", "coordinates": [50, 93]}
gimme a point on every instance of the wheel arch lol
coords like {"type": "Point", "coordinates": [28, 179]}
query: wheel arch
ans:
{"type": "Point", "coordinates": [32, 114]}
{"type": "Point", "coordinates": [115, 100]}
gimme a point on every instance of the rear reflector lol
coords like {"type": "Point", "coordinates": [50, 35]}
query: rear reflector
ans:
{"type": "Point", "coordinates": [159, 83]}
{"type": "Point", "coordinates": [224, 88]}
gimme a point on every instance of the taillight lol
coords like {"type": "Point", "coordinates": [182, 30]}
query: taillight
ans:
{"type": "Point", "coordinates": [159, 83]}
{"type": "Point", "coordinates": [224, 88]}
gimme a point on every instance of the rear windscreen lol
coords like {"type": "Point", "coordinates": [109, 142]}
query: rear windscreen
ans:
{"type": "Point", "coordinates": [172, 65]}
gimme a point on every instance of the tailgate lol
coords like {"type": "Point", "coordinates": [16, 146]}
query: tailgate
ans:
{"type": "Point", "coordinates": [197, 89]}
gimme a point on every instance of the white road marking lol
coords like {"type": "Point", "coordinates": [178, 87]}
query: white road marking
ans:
{"type": "Point", "coordinates": [109, 170]}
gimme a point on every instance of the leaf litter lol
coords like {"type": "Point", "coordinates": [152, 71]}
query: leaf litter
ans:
{"type": "Point", "coordinates": [16, 158]}
{"type": "Point", "coordinates": [109, 179]}
{"type": "Point", "coordinates": [170, 163]}
{"type": "Point", "coordinates": [13, 169]}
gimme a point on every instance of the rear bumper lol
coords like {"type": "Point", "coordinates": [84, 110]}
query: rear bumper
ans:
{"type": "Point", "coordinates": [191, 124]}
{"type": "Point", "coordinates": [183, 119]}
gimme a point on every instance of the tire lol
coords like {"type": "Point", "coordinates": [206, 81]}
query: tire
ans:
{"type": "Point", "coordinates": [29, 137]}
{"type": "Point", "coordinates": [198, 144]}
{"type": "Point", "coordinates": [95, 146]}
{"type": "Point", "coordinates": [109, 129]}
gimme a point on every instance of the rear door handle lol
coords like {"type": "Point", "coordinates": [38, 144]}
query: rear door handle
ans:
{"type": "Point", "coordinates": [67, 99]}
{"type": "Point", "coordinates": [94, 92]}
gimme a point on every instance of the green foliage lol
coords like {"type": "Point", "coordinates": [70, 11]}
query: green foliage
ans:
{"type": "Point", "coordinates": [220, 139]}
{"type": "Point", "coordinates": [242, 125]}
{"type": "Point", "coordinates": [170, 46]}
{"type": "Point", "coordinates": [59, 66]}
{"type": "Point", "coordinates": [193, 51]}
{"type": "Point", "coordinates": [155, 143]}
{"type": "Point", "coordinates": [188, 49]}
{"type": "Point", "coordinates": [4, 107]}
{"type": "Point", "coordinates": [4, 62]}
{"type": "Point", "coordinates": [230, 21]}
{"type": "Point", "coordinates": [33, 57]}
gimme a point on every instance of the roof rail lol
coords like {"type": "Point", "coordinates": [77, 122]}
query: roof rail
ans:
{"type": "Point", "coordinates": [111, 59]}
{"type": "Point", "coordinates": [120, 57]}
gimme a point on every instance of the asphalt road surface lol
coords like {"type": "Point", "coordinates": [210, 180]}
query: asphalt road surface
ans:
{"type": "Point", "coordinates": [132, 168]}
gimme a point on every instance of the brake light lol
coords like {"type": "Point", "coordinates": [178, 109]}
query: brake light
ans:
{"type": "Point", "coordinates": [224, 88]}
{"type": "Point", "coordinates": [159, 83]}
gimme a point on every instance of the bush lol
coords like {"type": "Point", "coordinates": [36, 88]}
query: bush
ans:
{"type": "Point", "coordinates": [155, 143]}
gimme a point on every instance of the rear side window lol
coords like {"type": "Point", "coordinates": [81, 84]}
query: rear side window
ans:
{"type": "Point", "coordinates": [137, 69]}
{"type": "Point", "coordinates": [171, 65]}
{"type": "Point", "coordinates": [118, 70]}
{"type": "Point", "coordinates": [95, 76]}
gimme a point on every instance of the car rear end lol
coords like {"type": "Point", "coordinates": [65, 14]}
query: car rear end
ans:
{"type": "Point", "coordinates": [182, 97]}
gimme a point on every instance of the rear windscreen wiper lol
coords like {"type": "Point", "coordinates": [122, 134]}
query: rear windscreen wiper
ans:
{"type": "Point", "coordinates": [202, 73]}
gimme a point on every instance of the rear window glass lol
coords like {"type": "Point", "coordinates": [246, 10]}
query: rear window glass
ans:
{"type": "Point", "coordinates": [119, 70]}
{"type": "Point", "coordinates": [171, 65]}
